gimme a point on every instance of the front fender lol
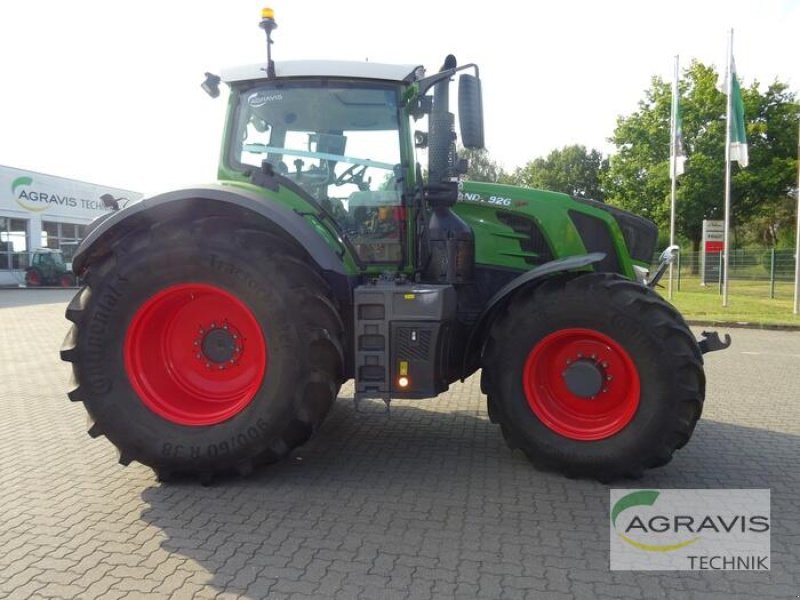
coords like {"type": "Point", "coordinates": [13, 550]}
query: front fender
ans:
{"type": "Point", "coordinates": [481, 326]}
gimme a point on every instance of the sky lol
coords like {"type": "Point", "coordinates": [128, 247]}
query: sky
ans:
{"type": "Point", "coordinates": [108, 91]}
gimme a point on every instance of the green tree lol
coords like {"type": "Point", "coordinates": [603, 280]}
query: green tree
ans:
{"type": "Point", "coordinates": [572, 170]}
{"type": "Point", "coordinates": [638, 176]}
{"type": "Point", "coordinates": [482, 167]}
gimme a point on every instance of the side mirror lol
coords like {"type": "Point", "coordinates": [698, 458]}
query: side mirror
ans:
{"type": "Point", "coordinates": [211, 85]}
{"type": "Point", "coordinates": [470, 112]}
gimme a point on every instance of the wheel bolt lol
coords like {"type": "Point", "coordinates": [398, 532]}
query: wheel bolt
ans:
{"type": "Point", "coordinates": [609, 378]}
{"type": "Point", "coordinates": [594, 356]}
{"type": "Point", "coordinates": [198, 355]}
{"type": "Point", "coordinates": [604, 364]}
{"type": "Point", "coordinates": [569, 362]}
{"type": "Point", "coordinates": [605, 390]}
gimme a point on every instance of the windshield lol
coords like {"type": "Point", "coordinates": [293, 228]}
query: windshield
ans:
{"type": "Point", "coordinates": [340, 142]}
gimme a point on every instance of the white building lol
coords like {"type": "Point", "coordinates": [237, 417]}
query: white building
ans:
{"type": "Point", "coordinates": [43, 211]}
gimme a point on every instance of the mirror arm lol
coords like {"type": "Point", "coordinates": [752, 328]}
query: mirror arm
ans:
{"type": "Point", "coordinates": [428, 82]}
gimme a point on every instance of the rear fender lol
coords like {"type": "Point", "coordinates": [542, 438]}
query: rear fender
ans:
{"type": "Point", "coordinates": [212, 200]}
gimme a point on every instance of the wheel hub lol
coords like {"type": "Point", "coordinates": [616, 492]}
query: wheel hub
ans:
{"type": "Point", "coordinates": [584, 378]}
{"type": "Point", "coordinates": [219, 345]}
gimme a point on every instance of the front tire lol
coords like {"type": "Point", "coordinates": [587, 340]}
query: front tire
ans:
{"type": "Point", "coordinates": [196, 351]}
{"type": "Point", "coordinates": [593, 376]}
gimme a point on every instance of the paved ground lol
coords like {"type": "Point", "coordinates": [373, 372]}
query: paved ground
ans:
{"type": "Point", "coordinates": [428, 503]}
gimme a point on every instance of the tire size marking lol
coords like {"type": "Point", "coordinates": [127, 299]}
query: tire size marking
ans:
{"type": "Point", "coordinates": [241, 440]}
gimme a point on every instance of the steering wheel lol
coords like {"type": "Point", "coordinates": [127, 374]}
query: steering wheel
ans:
{"type": "Point", "coordinates": [353, 174]}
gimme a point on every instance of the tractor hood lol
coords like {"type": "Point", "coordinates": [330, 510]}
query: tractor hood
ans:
{"type": "Point", "coordinates": [523, 228]}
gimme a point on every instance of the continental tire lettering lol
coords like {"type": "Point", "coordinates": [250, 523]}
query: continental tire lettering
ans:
{"type": "Point", "coordinates": [238, 273]}
{"type": "Point", "coordinates": [96, 372]}
{"type": "Point", "coordinates": [624, 325]}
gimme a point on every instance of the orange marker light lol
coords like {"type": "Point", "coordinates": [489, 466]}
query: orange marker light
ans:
{"type": "Point", "coordinates": [267, 13]}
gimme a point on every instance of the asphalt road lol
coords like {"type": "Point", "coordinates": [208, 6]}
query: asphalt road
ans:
{"type": "Point", "coordinates": [425, 503]}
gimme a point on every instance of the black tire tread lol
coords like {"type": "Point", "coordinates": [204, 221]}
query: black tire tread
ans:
{"type": "Point", "coordinates": [316, 311]}
{"type": "Point", "coordinates": [664, 320]}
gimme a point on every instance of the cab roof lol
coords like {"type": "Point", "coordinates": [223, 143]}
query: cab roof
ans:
{"type": "Point", "coordinates": [326, 68]}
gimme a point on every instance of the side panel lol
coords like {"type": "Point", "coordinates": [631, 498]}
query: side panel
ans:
{"type": "Point", "coordinates": [513, 226]}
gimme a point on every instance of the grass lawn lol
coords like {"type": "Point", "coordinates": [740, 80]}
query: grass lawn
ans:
{"type": "Point", "coordinates": [748, 302]}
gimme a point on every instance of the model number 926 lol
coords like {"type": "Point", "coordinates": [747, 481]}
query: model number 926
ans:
{"type": "Point", "coordinates": [496, 200]}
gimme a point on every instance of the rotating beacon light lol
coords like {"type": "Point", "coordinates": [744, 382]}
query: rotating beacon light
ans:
{"type": "Point", "coordinates": [268, 24]}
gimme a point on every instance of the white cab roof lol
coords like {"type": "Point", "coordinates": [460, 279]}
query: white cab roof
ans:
{"type": "Point", "coordinates": [323, 68]}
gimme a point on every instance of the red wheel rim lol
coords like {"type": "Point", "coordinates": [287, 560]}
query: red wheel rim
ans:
{"type": "Point", "coordinates": [546, 381]}
{"type": "Point", "coordinates": [66, 281]}
{"type": "Point", "coordinates": [195, 354]}
{"type": "Point", "coordinates": [33, 278]}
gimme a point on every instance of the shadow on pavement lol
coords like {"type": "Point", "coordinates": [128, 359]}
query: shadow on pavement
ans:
{"type": "Point", "coordinates": [374, 506]}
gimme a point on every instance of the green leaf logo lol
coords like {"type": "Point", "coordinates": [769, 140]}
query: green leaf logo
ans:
{"type": "Point", "coordinates": [22, 201]}
{"type": "Point", "coordinates": [20, 181]}
{"type": "Point", "coordinates": [643, 498]}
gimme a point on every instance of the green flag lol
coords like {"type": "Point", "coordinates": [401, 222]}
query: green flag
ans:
{"type": "Point", "coordinates": [738, 134]}
{"type": "Point", "coordinates": [679, 157]}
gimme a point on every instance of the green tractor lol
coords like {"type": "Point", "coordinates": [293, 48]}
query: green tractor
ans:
{"type": "Point", "coordinates": [48, 268]}
{"type": "Point", "coordinates": [217, 324]}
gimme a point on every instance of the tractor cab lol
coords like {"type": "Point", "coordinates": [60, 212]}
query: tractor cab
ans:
{"type": "Point", "coordinates": [341, 135]}
{"type": "Point", "coordinates": [335, 140]}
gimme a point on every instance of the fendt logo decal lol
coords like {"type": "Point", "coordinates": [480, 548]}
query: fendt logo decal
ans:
{"type": "Point", "coordinates": [258, 99]}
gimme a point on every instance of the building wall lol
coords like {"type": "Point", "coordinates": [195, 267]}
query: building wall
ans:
{"type": "Point", "coordinates": [44, 211]}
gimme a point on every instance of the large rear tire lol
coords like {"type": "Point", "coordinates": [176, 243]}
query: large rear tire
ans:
{"type": "Point", "coordinates": [197, 351]}
{"type": "Point", "coordinates": [593, 376]}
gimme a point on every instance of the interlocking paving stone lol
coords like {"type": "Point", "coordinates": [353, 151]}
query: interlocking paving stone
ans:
{"type": "Point", "coordinates": [425, 503]}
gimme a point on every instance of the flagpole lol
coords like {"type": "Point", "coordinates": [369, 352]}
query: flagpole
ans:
{"type": "Point", "coordinates": [797, 233]}
{"type": "Point", "coordinates": [726, 232]}
{"type": "Point", "coordinates": [674, 165]}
